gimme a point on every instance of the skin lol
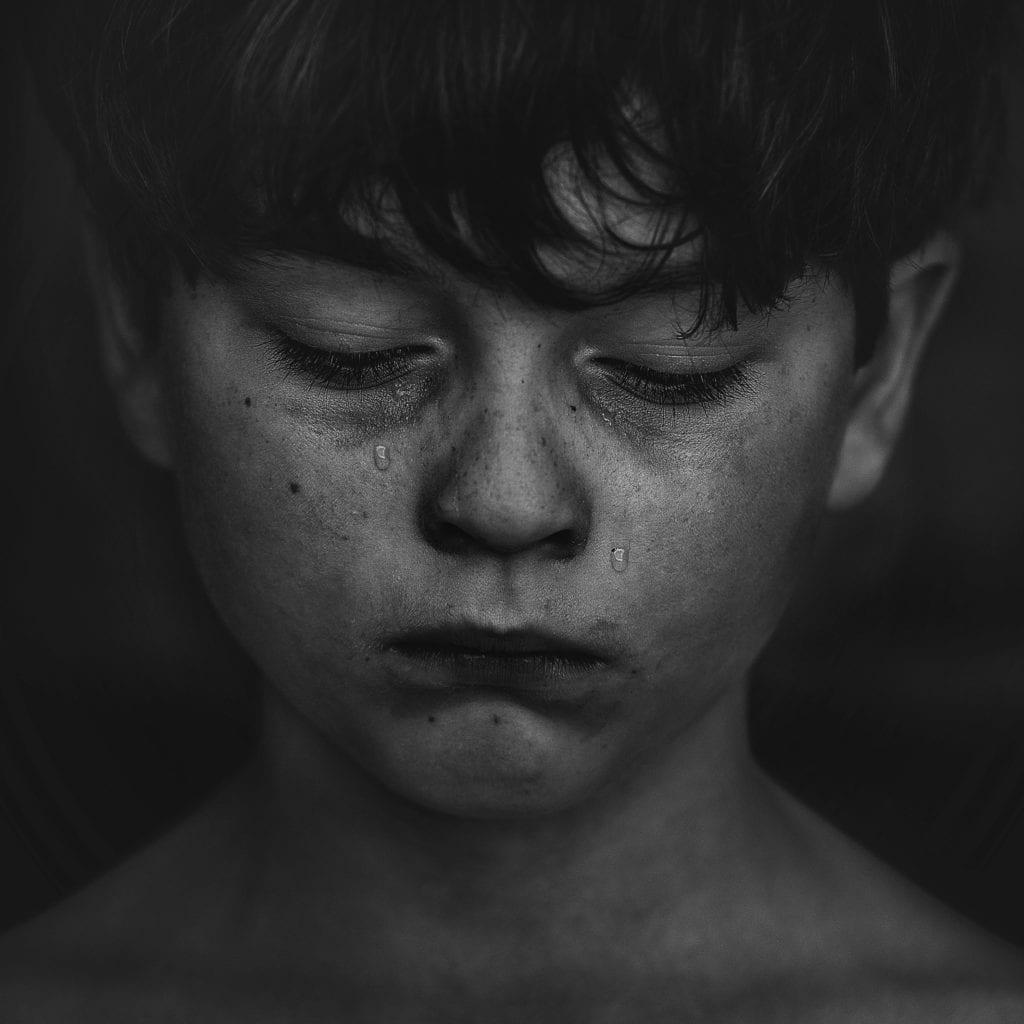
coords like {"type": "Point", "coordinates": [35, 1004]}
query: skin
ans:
{"type": "Point", "coordinates": [607, 850]}
{"type": "Point", "coordinates": [505, 441]}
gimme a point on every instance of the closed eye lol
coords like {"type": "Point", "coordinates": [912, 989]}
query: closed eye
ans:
{"type": "Point", "coordinates": [344, 371]}
{"type": "Point", "coordinates": [673, 389]}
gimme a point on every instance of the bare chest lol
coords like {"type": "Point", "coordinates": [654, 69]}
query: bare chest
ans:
{"type": "Point", "coordinates": [254, 1000]}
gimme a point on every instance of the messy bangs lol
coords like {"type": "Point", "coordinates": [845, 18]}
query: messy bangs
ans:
{"type": "Point", "coordinates": [769, 135]}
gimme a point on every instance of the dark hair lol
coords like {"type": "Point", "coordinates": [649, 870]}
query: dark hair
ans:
{"type": "Point", "coordinates": [785, 133]}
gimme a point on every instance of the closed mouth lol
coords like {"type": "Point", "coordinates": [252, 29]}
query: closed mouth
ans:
{"type": "Point", "coordinates": [514, 658]}
{"type": "Point", "coordinates": [472, 641]}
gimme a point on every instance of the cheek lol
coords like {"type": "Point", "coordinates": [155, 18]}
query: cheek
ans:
{"type": "Point", "coordinates": [302, 541]}
{"type": "Point", "coordinates": [729, 529]}
{"type": "Point", "coordinates": [286, 519]}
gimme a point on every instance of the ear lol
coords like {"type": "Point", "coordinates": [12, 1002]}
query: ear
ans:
{"type": "Point", "coordinates": [919, 287]}
{"type": "Point", "coordinates": [129, 349]}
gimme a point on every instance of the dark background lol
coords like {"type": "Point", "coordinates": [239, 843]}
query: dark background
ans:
{"type": "Point", "coordinates": [892, 700]}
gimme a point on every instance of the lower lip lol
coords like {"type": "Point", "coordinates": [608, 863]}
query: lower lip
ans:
{"type": "Point", "coordinates": [539, 674]}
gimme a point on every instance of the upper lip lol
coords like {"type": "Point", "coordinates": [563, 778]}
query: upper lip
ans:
{"type": "Point", "coordinates": [475, 639]}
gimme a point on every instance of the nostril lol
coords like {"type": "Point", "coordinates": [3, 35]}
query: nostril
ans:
{"type": "Point", "coordinates": [450, 538]}
{"type": "Point", "coordinates": [453, 539]}
{"type": "Point", "coordinates": [566, 544]}
{"type": "Point", "coordinates": [512, 509]}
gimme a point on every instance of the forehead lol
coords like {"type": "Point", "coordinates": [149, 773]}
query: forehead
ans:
{"type": "Point", "coordinates": [596, 281]}
{"type": "Point", "coordinates": [617, 243]}
{"type": "Point", "coordinates": [615, 222]}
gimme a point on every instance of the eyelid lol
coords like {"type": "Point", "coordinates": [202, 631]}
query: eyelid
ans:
{"type": "Point", "coordinates": [347, 337]}
{"type": "Point", "coordinates": [336, 369]}
{"type": "Point", "coordinates": [669, 357]}
{"type": "Point", "coordinates": [667, 389]}
{"type": "Point", "coordinates": [675, 347]}
{"type": "Point", "coordinates": [679, 362]}
{"type": "Point", "coordinates": [328, 325]}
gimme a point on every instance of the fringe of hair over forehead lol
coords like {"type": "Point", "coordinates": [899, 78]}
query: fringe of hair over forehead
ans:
{"type": "Point", "coordinates": [774, 135]}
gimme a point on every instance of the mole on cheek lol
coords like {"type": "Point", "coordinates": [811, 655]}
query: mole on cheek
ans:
{"type": "Point", "coordinates": [294, 487]}
{"type": "Point", "coordinates": [248, 401]}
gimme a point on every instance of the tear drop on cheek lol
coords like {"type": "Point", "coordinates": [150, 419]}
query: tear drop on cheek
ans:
{"type": "Point", "coordinates": [620, 559]}
{"type": "Point", "coordinates": [382, 456]}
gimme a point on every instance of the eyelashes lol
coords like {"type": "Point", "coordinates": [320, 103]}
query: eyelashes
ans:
{"type": "Point", "coordinates": [673, 389]}
{"type": "Point", "coordinates": [344, 371]}
{"type": "Point", "coordinates": [359, 371]}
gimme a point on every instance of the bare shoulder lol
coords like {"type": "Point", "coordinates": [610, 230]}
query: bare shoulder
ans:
{"type": "Point", "coordinates": [974, 979]}
{"type": "Point", "coordinates": [112, 954]}
{"type": "Point", "coordinates": [884, 950]}
{"type": "Point", "coordinates": [42, 983]}
{"type": "Point", "coordinates": [158, 939]}
{"type": "Point", "coordinates": [902, 1001]}
{"type": "Point", "coordinates": [125, 938]}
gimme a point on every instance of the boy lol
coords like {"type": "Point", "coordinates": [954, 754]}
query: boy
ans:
{"type": "Point", "coordinates": [505, 357]}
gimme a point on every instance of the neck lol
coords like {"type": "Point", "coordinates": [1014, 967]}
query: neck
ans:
{"type": "Point", "coordinates": [689, 837]}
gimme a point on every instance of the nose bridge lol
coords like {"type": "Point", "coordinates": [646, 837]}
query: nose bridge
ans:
{"type": "Point", "coordinates": [510, 481]}
{"type": "Point", "coordinates": [509, 455]}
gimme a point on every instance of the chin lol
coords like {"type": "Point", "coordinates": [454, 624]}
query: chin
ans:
{"type": "Point", "coordinates": [489, 764]}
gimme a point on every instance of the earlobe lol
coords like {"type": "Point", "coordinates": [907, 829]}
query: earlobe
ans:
{"type": "Point", "coordinates": [919, 288]}
{"type": "Point", "coordinates": [129, 352]}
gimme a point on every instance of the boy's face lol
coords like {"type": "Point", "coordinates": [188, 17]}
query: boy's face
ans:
{"type": "Point", "coordinates": [523, 446]}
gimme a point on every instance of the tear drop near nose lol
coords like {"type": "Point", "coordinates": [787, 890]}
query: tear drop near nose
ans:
{"type": "Point", "coordinates": [382, 456]}
{"type": "Point", "coordinates": [620, 559]}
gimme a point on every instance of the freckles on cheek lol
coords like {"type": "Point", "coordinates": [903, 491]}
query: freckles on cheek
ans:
{"type": "Point", "coordinates": [287, 515]}
{"type": "Point", "coordinates": [736, 525]}
{"type": "Point", "coordinates": [287, 520]}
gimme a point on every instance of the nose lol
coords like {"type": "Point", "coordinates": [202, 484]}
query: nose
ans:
{"type": "Point", "coordinates": [507, 485]}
